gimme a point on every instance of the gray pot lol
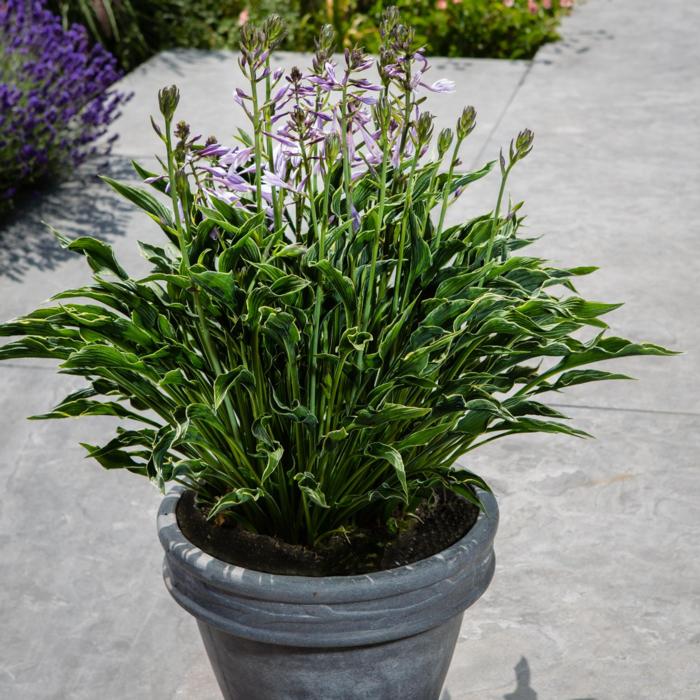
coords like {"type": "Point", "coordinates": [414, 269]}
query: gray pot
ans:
{"type": "Point", "coordinates": [388, 635]}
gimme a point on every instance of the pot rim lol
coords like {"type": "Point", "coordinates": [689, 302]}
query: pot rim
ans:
{"type": "Point", "coordinates": [469, 550]}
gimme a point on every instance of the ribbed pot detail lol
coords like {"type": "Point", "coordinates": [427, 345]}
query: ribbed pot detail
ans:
{"type": "Point", "coordinates": [382, 636]}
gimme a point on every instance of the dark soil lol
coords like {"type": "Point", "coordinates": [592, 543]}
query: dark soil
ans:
{"type": "Point", "coordinates": [439, 524]}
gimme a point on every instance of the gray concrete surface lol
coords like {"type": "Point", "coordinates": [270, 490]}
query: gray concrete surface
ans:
{"type": "Point", "coordinates": [597, 589]}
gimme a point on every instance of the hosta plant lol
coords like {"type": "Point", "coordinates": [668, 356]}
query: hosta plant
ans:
{"type": "Point", "coordinates": [315, 346]}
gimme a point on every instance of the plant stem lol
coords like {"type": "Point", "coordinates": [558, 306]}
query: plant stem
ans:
{"type": "Point", "coordinates": [204, 331]}
{"type": "Point", "coordinates": [267, 116]}
{"type": "Point", "coordinates": [257, 132]}
{"type": "Point", "coordinates": [446, 192]}
{"type": "Point", "coordinates": [402, 240]}
{"type": "Point", "coordinates": [496, 215]}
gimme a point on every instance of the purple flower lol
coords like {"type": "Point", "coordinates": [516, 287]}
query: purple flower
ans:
{"type": "Point", "coordinates": [55, 105]}
{"type": "Point", "coordinates": [442, 85]}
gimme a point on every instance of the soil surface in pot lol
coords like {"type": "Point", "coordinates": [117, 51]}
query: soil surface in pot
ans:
{"type": "Point", "coordinates": [439, 525]}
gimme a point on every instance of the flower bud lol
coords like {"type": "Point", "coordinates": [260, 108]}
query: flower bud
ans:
{"type": "Point", "coordinates": [523, 143]}
{"type": "Point", "coordinates": [182, 185]}
{"type": "Point", "coordinates": [444, 141]}
{"type": "Point", "coordinates": [356, 58]}
{"type": "Point", "coordinates": [331, 147]}
{"type": "Point", "coordinates": [250, 38]}
{"type": "Point", "coordinates": [182, 130]}
{"type": "Point", "coordinates": [387, 59]}
{"type": "Point", "coordinates": [466, 122]}
{"type": "Point", "coordinates": [273, 31]}
{"type": "Point", "coordinates": [325, 45]}
{"type": "Point", "coordinates": [382, 112]}
{"type": "Point", "coordinates": [390, 18]}
{"type": "Point", "coordinates": [168, 99]}
{"type": "Point", "coordinates": [295, 75]}
{"type": "Point", "coordinates": [424, 128]}
{"type": "Point", "coordinates": [403, 38]}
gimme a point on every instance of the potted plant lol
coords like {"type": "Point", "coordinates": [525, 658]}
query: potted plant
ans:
{"type": "Point", "coordinates": [312, 351]}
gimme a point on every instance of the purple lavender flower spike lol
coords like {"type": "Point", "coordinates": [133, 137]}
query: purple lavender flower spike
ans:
{"type": "Point", "coordinates": [55, 105]}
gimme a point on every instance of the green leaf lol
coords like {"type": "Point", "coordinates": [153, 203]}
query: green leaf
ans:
{"type": "Point", "coordinates": [389, 412]}
{"type": "Point", "coordinates": [99, 254]}
{"type": "Point", "coordinates": [379, 450]}
{"type": "Point", "coordinates": [160, 462]}
{"type": "Point", "coordinates": [221, 285]}
{"type": "Point", "coordinates": [608, 349]}
{"type": "Point", "coordinates": [240, 376]}
{"type": "Point", "coordinates": [288, 285]}
{"type": "Point", "coordinates": [174, 377]}
{"type": "Point", "coordinates": [533, 425]}
{"type": "Point", "coordinates": [273, 459]}
{"type": "Point", "coordinates": [235, 498]}
{"type": "Point", "coordinates": [309, 485]}
{"type": "Point", "coordinates": [421, 257]}
{"type": "Point", "coordinates": [73, 408]}
{"type": "Point", "coordinates": [98, 357]}
{"type": "Point", "coordinates": [580, 376]}
{"type": "Point", "coordinates": [356, 339]}
{"type": "Point", "coordinates": [336, 435]}
{"type": "Point", "coordinates": [144, 174]}
{"type": "Point", "coordinates": [341, 285]}
{"type": "Point", "coordinates": [296, 412]}
{"type": "Point", "coordinates": [463, 180]}
{"type": "Point", "coordinates": [424, 436]}
{"type": "Point", "coordinates": [392, 333]}
{"type": "Point", "coordinates": [111, 456]}
{"type": "Point", "coordinates": [144, 200]}
{"type": "Point", "coordinates": [281, 328]}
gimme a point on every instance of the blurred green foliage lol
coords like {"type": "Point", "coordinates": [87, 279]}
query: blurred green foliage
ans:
{"type": "Point", "coordinates": [135, 30]}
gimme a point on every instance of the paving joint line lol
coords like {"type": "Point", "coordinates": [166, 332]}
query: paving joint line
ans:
{"type": "Point", "coordinates": [618, 409]}
{"type": "Point", "coordinates": [501, 116]}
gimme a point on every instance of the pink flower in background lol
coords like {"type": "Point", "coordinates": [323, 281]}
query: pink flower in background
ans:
{"type": "Point", "coordinates": [456, 2]}
{"type": "Point", "coordinates": [243, 17]}
{"type": "Point", "coordinates": [441, 4]}
{"type": "Point", "coordinates": [533, 7]}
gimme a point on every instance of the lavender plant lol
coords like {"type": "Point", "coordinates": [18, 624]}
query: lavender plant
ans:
{"type": "Point", "coordinates": [54, 99]}
{"type": "Point", "coordinates": [315, 346]}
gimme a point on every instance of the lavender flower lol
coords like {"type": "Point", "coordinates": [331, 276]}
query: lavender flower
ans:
{"type": "Point", "coordinates": [54, 101]}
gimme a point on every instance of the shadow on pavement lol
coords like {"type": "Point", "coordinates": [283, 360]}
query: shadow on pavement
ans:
{"type": "Point", "coordinates": [523, 689]}
{"type": "Point", "coordinates": [81, 206]}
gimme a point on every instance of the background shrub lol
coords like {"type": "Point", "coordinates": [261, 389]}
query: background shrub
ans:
{"type": "Point", "coordinates": [54, 100]}
{"type": "Point", "coordinates": [133, 31]}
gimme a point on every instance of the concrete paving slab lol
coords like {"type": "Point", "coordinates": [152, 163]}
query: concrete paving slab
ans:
{"type": "Point", "coordinates": [612, 180]}
{"type": "Point", "coordinates": [33, 266]}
